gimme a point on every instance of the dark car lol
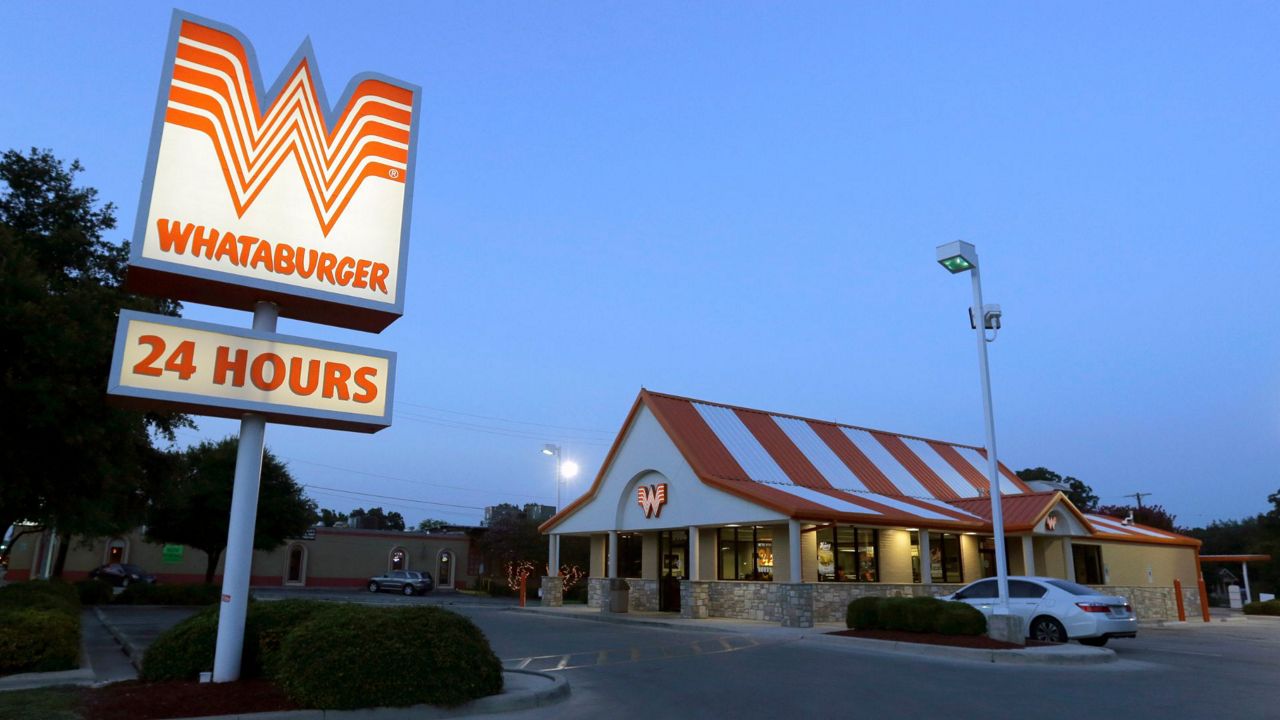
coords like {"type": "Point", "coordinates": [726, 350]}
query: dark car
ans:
{"type": "Point", "coordinates": [121, 574]}
{"type": "Point", "coordinates": [408, 582]}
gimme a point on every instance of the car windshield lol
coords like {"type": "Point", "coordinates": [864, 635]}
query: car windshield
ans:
{"type": "Point", "coordinates": [1073, 588]}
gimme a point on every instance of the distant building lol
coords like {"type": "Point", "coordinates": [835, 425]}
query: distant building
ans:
{"type": "Point", "coordinates": [531, 511]}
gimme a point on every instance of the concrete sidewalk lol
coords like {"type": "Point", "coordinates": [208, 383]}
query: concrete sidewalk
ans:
{"type": "Point", "coordinates": [1067, 654]}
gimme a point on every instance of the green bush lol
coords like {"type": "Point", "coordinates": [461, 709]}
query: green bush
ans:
{"type": "Point", "coordinates": [41, 595]}
{"type": "Point", "coordinates": [38, 639]}
{"type": "Point", "coordinates": [863, 613]}
{"type": "Point", "coordinates": [148, 594]}
{"type": "Point", "coordinates": [94, 592]}
{"type": "Point", "coordinates": [359, 656]}
{"type": "Point", "coordinates": [893, 613]}
{"type": "Point", "coordinates": [957, 618]}
{"type": "Point", "coordinates": [923, 613]}
{"type": "Point", "coordinates": [186, 649]}
{"type": "Point", "coordinates": [1268, 607]}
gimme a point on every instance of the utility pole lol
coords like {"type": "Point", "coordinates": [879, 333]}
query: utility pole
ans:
{"type": "Point", "coordinates": [1138, 496]}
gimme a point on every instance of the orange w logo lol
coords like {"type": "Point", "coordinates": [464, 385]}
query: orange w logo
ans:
{"type": "Point", "coordinates": [652, 498]}
{"type": "Point", "coordinates": [213, 92]}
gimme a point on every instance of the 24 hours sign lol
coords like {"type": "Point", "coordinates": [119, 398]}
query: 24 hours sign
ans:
{"type": "Point", "coordinates": [227, 372]}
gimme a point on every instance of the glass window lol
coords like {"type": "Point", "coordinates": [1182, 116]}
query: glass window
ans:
{"type": "Point", "coordinates": [944, 557]}
{"type": "Point", "coordinates": [915, 556]}
{"type": "Point", "coordinates": [980, 589]}
{"type": "Point", "coordinates": [630, 555]}
{"type": "Point", "coordinates": [847, 554]}
{"type": "Point", "coordinates": [1088, 563]}
{"type": "Point", "coordinates": [1024, 589]}
{"type": "Point", "coordinates": [746, 553]}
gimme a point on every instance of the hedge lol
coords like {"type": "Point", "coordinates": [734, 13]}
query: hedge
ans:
{"type": "Point", "coordinates": [39, 627]}
{"type": "Point", "coordinates": [94, 592]}
{"type": "Point", "coordinates": [148, 594]}
{"type": "Point", "coordinates": [186, 650]}
{"type": "Point", "coordinates": [915, 614]}
{"type": "Point", "coordinates": [1266, 607]}
{"type": "Point", "coordinates": [360, 656]}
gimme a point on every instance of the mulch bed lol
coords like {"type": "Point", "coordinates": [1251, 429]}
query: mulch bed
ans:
{"type": "Point", "coordinates": [979, 642]}
{"type": "Point", "coordinates": [136, 700]}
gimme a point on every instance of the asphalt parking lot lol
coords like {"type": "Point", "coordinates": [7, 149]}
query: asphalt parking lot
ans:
{"type": "Point", "coordinates": [1223, 670]}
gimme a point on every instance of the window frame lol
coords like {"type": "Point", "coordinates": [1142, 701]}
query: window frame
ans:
{"type": "Point", "coordinates": [858, 555]}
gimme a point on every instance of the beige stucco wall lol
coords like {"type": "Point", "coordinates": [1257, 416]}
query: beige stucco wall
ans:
{"type": "Point", "coordinates": [1127, 564]}
{"type": "Point", "coordinates": [649, 556]}
{"type": "Point", "coordinates": [809, 556]}
{"type": "Point", "coordinates": [895, 556]}
{"type": "Point", "coordinates": [970, 567]}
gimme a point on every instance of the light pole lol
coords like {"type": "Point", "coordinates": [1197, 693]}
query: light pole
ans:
{"type": "Point", "coordinates": [564, 468]}
{"type": "Point", "coordinates": [958, 257]}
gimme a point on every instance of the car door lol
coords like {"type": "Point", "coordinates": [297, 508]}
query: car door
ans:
{"type": "Point", "coordinates": [1024, 600]}
{"type": "Point", "coordinates": [397, 580]}
{"type": "Point", "coordinates": [981, 595]}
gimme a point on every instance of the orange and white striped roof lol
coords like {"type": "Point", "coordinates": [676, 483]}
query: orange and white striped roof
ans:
{"type": "Point", "coordinates": [832, 472]}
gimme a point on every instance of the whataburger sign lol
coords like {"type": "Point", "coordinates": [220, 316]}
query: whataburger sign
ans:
{"type": "Point", "coordinates": [252, 196]}
{"type": "Point", "coordinates": [269, 194]}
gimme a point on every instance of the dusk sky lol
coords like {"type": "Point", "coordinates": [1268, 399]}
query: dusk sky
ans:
{"type": "Point", "coordinates": [740, 203]}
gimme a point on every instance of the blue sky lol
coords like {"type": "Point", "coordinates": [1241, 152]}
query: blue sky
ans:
{"type": "Point", "coordinates": [740, 202]}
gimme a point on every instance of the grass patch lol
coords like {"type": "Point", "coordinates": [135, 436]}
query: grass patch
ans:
{"type": "Point", "coordinates": [56, 703]}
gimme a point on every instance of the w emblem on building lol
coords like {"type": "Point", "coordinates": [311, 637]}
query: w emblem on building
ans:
{"type": "Point", "coordinates": [652, 498]}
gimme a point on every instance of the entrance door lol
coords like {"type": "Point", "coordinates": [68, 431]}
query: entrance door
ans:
{"type": "Point", "coordinates": [444, 578]}
{"type": "Point", "coordinates": [673, 566]}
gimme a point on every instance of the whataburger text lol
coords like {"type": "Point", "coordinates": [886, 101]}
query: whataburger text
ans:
{"type": "Point", "coordinates": [246, 251]}
{"type": "Point", "coordinates": [176, 360]}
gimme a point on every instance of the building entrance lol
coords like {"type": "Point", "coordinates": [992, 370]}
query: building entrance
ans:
{"type": "Point", "coordinates": [673, 566]}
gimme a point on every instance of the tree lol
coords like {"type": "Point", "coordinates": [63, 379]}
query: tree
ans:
{"type": "Point", "coordinates": [431, 524]}
{"type": "Point", "coordinates": [69, 460]}
{"type": "Point", "coordinates": [329, 518]}
{"type": "Point", "coordinates": [195, 506]}
{"type": "Point", "coordinates": [511, 536]}
{"type": "Point", "coordinates": [1257, 535]}
{"type": "Point", "coordinates": [1150, 515]}
{"type": "Point", "coordinates": [376, 519]}
{"type": "Point", "coordinates": [1080, 494]}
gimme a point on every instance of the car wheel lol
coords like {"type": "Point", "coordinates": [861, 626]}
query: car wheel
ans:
{"type": "Point", "coordinates": [408, 590]}
{"type": "Point", "coordinates": [373, 587]}
{"type": "Point", "coordinates": [1093, 642]}
{"type": "Point", "coordinates": [1047, 629]}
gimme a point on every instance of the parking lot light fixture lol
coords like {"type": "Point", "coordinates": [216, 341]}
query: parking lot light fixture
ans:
{"type": "Point", "coordinates": [958, 257]}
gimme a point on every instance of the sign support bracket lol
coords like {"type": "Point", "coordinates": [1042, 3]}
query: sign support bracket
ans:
{"type": "Point", "coordinates": [238, 558]}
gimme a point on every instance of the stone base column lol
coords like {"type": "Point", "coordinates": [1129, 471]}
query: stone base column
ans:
{"type": "Point", "coordinates": [1007, 628]}
{"type": "Point", "coordinates": [552, 591]}
{"type": "Point", "coordinates": [797, 605]}
{"type": "Point", "coordinates": [695, 599]}
{"type": "Point", "coordinates": [597, 592]}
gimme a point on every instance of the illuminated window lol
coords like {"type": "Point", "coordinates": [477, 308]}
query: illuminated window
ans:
{"type": "Point", "coordinates": [848, 554]}
{"type": "Point", "coordinates": [399, 559]}
{"type": "Point", "coordinates": [944, 557]}
{"type": "Point", "coordinates": [746, 553]}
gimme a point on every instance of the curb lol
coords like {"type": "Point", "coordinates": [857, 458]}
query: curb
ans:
{"type": "Point", "coordinates": [616, 620]}
{"type": "Point", "coordinates": [542, 689]}
{"type": "Point", "coordinates": [132, 651]}
{"type": "Point", "coordinates": [1056, 655]}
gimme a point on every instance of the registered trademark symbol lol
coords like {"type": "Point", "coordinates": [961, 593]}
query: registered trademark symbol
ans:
{"type": "Point", "coordinates": [394, 173]}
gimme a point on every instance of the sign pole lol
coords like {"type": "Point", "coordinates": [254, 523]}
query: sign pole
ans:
{"type": "Point", "coordinates": [244, 513]}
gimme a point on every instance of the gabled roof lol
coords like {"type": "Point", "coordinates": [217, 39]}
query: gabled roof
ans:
{"type": "Point", "coordinates": [1105, 526]}
{"type": "Point", "coordinates": [823, 470]}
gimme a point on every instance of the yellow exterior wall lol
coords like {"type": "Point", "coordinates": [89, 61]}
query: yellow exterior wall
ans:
{"type": "Point", "coordinates": [894, 553]}
{"type": "Point", "coordinates": [1127, 563]}
{"type": "Point", "coordinates": [809, 556]}
{"type": "Point", "coordinates": [649, 555]}
{"type": "Point", "coordinates": [970, 566]}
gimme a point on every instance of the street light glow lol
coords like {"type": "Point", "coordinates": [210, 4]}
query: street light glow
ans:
{"type": "Point", "coordinates": [568, 469]}
{"type": "Point", "coordinates": [550, 449]}
{"type": "Point", "coordinates": [956, 264]}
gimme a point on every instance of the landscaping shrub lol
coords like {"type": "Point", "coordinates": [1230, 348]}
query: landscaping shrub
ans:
{"type": "Point", "coordinates": [94, 592]}
{"type": "Point", "coordinates": [357, 656]}
{"type": "Point", "coordinates": [41, 595]}
{"type": "Point", "coordinates": [957, 618]}
{"type": "Point", "coordinates": [1268, 607]}
{"type": "Point", "coordinates": [863, 613]}
{"type": "Point", "coordinates": [186, 649]}
{"type": "Point", "coordinates": [38, 640]}
{"type": "Point", "coordinates": [923, 613]}
{"type": "Point", "coordinates": [893, 613]}
{"type": "Point", "coordinates": [148, 594]}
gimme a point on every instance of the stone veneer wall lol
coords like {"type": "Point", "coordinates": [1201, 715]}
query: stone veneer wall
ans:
{"type": "Point", "coordinates": [643, 596]}
{"type": "Point", "coordinates": [695, 599]}
{"type": "Point", "coordinates": [1191, 603]}
{"type": "Point", "coordinates": [745, 600]}
{"type": "Point", "coordinates": [597, 591]}
{"type": "Point", "coordinates": [553, 591]}
{"type": "Point", "coordinates": [831, 599]}
{"type": "Point", "coordinates": [1153, 603]}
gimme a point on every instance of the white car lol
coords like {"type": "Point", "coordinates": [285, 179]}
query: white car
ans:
{"type": "Point", "coordinates": [1054, 610]}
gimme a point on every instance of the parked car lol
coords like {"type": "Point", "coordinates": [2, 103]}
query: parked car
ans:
{"type": "Point", "coordinates": [121, 574]}
{"type": "Point", "coordinates": [408, 582]}
{"type": "Point", "coordinates": [1054, 610]}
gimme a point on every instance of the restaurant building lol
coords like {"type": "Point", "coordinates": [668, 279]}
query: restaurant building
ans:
{"type": "Point", "coordinates": [713, 510]}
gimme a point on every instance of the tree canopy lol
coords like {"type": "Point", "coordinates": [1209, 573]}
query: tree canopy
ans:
{"type": "Point", "coordinates": [1080, 494]}
{"type": "Point", "coordinates": [376, 519]}
{"type": "Point", "coordinates": [70, 460]}
{"type": "Point", "coordinates": [194, 506]}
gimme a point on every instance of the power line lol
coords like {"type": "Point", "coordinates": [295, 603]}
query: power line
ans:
{"type": "Point", "coordinates": [495, 430]}
{"type": "Point", "coordinates": [507, 420]}
{"type": "Point", "coordinates": [392, 497]}
{"type": "Point", "coordinates": [407, 480]}
{"type": "Point", "coordinates": [1138, 496]}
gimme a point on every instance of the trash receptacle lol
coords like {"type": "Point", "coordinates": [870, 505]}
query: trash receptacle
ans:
{"type": "Point", "coordinates": [619, 592]}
